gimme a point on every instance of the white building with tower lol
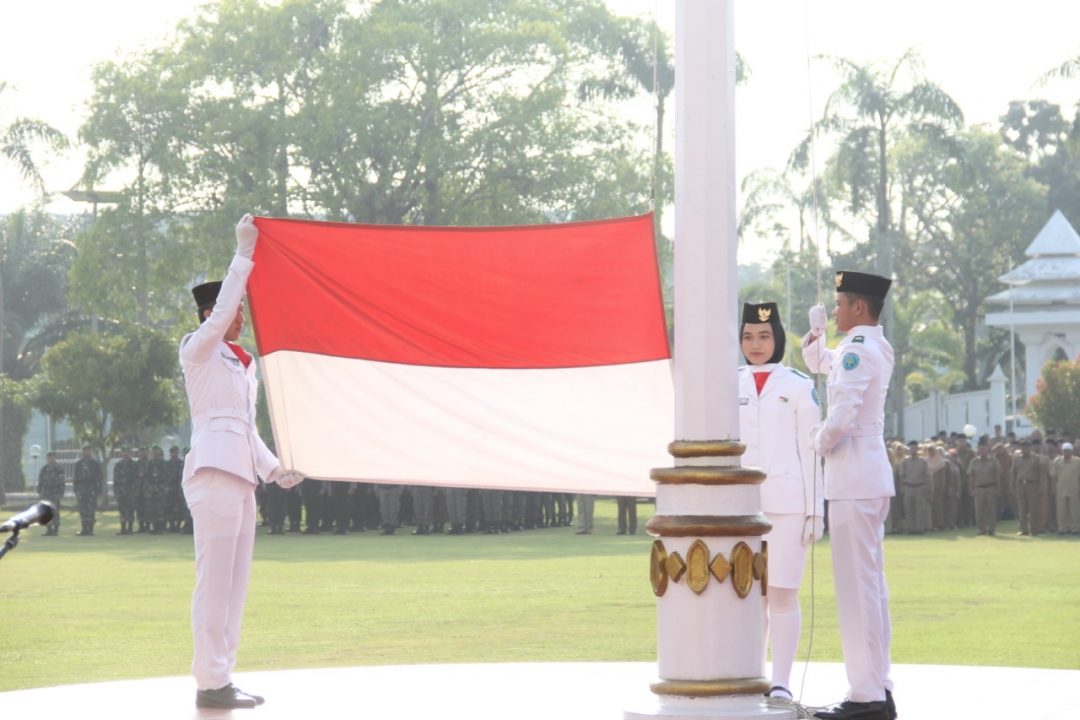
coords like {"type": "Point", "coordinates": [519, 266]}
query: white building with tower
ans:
{"type": "Point", "coordinates": [1042, 303]}
{"type": "Point", "coordinates": [1041, 306]}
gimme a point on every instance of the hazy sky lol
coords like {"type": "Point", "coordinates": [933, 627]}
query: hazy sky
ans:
{"type": "Point", "coordinates": [983, 52]}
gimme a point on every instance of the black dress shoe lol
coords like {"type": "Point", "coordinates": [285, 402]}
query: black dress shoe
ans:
{"type": "Point", "coordinates": [227, 697]}
{"type": "Point", "coordinates": [849, 710]}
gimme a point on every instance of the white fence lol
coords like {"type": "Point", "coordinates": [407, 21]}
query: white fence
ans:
{"type": "Point", "coordinates": [982, 408]}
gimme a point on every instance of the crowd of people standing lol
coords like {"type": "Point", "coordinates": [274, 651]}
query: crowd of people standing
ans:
{"type": "Point", "coordinates": [944, 484]}
{"type": "Point", "coordinates": [147, 490]}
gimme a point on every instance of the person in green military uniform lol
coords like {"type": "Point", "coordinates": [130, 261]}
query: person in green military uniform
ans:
{"type": "Point", "coordinates": [157, 490]}
{"type": "Point", "coordinates": [274, 498]}
{"type": "Point", "coordinates": [50, 488]}
{"type": "Point", "coordinates": [390, 507]}
{"type": "Point", "coordinates": [142, 471]}
{"type": "Point", "coordinates": [176, 509]}
{"type": "Point", "coordinates": [124, 480]}
{"type": "Point", "coordinates": [87, 485]}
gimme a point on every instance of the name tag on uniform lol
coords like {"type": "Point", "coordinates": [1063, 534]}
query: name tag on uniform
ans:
{"type": "Point", "coordinates": [784, 399]}
{"type": "Point", "coordinates": [744, 401]}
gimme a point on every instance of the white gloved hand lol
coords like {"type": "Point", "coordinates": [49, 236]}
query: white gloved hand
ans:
{"type": "Point", "coordinates": [246, 236]}
{"type": "Point", "coordinates": [818, 320]}
{"type": "Point", "coordinates": [813, 529]}
{"type": "Point", "coordinates": [286, 478]}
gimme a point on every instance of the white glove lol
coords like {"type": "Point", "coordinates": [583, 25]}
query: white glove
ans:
{"type": "Point", "coordinates": [285, 478]}
{"type": "Point", "coordinates": [246, 235]}
{"type": "Point", "coordinates": [813, 529]}
{"type": "Point", "coordinates": [818, 320]}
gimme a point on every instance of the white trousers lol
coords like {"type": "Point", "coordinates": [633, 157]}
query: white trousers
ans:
{"type": "Point", "coordinates": [857, 532]}
{"type": "Point", "coordinates": [223, 512]}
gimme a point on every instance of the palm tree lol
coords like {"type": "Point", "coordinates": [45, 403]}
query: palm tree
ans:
{"type": "Point", "coordinates": [868, 114]}
{"type": "Point", "coordinates": [17, 141]}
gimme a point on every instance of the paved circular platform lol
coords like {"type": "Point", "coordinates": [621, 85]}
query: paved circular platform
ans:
{"type": "Point", "coordinates": [526, 691]}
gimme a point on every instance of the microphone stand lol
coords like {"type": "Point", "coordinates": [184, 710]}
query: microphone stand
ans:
{"type": "Point", "coordinates": [10, 543]}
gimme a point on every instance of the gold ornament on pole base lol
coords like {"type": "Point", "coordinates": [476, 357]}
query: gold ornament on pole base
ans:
{"type": "Point", "coordinates": [692, 557]}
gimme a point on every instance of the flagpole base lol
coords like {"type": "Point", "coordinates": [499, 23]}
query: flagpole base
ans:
{"type": "Point", "coordinates": [738, 707]}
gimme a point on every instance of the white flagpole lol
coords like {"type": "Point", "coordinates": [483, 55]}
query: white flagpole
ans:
{"type": "Point", "coordinates": [708, 563]}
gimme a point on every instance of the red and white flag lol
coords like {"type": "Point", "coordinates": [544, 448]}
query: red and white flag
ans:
{"type": "Point", "coordinates": [532, 358]}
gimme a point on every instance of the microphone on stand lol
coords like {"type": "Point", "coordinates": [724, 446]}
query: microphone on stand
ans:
{"type": "Point", "coordinates": [40, 513]}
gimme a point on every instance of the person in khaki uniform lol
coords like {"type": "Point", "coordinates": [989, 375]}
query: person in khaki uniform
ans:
{"type": "Point", "coordinates": [1066, 472]}
{"type": "Point", "coordinates": [1027, 476]}
{"type": "Point", "coordinates": [984, 480]}
{"type": "Point", "coordinates": [915, 489]}
{"type": "Point", "coordinates": [894, 523]}
{"type": "Point", "coordinates": [1007, 492]}
{"type": "Point", "coordinates": [1048, 487]}
{"type": "Point", "coordinates": [953, 489]}
{"type": "Point", "coordinates": [939, 481]}
{"type": "Point", "coordinates": [967, 500]}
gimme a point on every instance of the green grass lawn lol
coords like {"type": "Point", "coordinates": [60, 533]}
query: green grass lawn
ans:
{"type": "Point", "coordinates": [78, 609]}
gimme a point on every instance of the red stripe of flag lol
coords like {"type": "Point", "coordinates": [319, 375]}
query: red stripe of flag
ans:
{"type": "Point", "coordinates": [547, 296]}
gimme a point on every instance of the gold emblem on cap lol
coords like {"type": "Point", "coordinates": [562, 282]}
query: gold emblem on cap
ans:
{"type": "Point", "coordinates": [839, 279]}
{"type": "Point", "coordinates": [764, 313]}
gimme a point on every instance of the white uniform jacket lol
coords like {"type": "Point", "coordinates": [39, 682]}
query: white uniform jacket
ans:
{"type": "Point", "coordinates": [852, 437]}
{"type": "Point", "coordinates": [776, 428]}
{"type": "Point", "coordinates": [222, 392]}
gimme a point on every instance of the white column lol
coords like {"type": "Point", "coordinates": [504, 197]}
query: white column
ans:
{"type": "Point", "coordinates": [1034, 356]}
{"type": "Point", "coordinates": [708, 564]}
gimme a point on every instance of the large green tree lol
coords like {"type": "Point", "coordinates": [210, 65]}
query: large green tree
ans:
{"type": "Point", "coordinates": [1039, 131]}
{"type": "Point", "coordinates": [111, 385]}
{"type": "Point", "coordinates": [970, 208]}
{"type": "Point", "coordinates": [35, 254]}
{"type": "Point", "coordinates": [419, 111]}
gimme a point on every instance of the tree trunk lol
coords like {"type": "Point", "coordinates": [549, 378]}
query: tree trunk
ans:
{"type": "Point", "coordinates": [142, 271]}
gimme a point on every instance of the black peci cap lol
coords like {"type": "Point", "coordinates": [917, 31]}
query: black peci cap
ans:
{"type": "Point", "coordinates": [206, 294]}
{"type": "Point", "coordinates": [760, 313]}
{"type": "Point", "coordinates": [849, 281]}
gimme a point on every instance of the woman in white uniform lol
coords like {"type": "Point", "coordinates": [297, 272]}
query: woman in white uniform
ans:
{"type": "Point", "coordinates": [778, 408]}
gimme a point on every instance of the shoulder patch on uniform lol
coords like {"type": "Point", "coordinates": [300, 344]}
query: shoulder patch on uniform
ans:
{"type": "Point", "coordinates": [859, 339]}
{"type": "Point", "coordinates": [800, 374]}
{"type": "Point", "coordinates": [850, 361]}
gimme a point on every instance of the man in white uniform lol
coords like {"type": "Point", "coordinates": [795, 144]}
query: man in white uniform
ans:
{"type": "Point", "coordinates": [220, 474]}
{"type": "Point", "coordinates": [858, 485]}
